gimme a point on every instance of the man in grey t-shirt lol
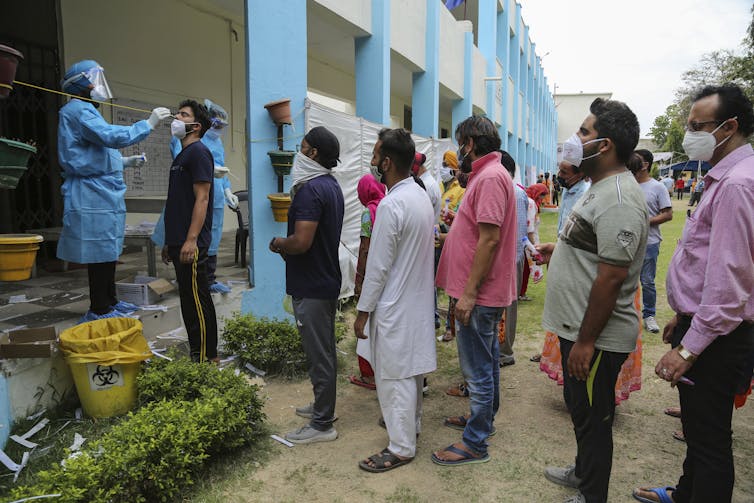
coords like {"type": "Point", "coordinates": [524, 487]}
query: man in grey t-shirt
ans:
{"type": "Point", "coordinates": [590, 290]}
{"type": "Point", "coordinates": [660, 211]}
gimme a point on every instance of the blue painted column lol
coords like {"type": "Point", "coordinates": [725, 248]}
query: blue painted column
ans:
{"type": "Point", "coordinates": [372, 66]}
{"type": "Point", "coordinates": [463, 108]}
{"type": "Point", "coordinates": [514, 52]}
{"type": "Point", "coordinates": [276, 51]}
{"type": "Point", "coordinates": [503, 54]}
{"type": "Point", "coordinates": [487, 43]}
{"type": "Point", "coordinates": [523, 77]}
{"type": "Point", "coordinates": [425, 94]}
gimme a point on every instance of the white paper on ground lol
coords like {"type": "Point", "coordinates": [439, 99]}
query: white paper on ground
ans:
{"type": "Point", "coordinates": [281, 440]}
{"type": "Point", "coordinates": [35, 429]}
{"type": "Point", "coordinates": [158, 355]}
{"type": "Point", "coordinates": [258, 372]}
{"type": "Point", "coordinates": [154, 307]}
{"type": "Point", "coordinates": [35, 416]}
{"type": "Point", "coordinates": [23, 441]}
{"type": "Point", "coordinates": [24, 460]}
{"type": "Point", "coordinates": [8, 462]}
{"type": "Point", "coordinates": [78, 441]}
{"type": "Point", "coordinates": [32, 498]}
{"type": "Point", "coordinates": [79, 413]}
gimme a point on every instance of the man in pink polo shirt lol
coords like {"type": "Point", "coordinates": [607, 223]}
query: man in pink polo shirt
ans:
{"type": "Point", "coordinates": [478, 268]}
{"type": "Point", "coordinates": [709, 284]}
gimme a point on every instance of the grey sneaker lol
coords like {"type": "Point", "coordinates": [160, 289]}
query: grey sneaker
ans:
{"type": "Point", "coordinates": [307, 411]}
{"type": "Point", "coordinates": [651, 324]}
{"type": "Point", "coordinates": [563, 476]}
{"type": "Point", "coordinates": [308, 435]}
{"type": "Point", "coordinates": [576, 498]}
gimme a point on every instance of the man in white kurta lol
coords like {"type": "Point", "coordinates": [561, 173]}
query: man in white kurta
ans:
{"type": "Point", "coordinates": [397, 296]}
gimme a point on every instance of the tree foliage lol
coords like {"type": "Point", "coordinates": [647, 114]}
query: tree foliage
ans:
{"type": "Point", "coordinates": [714, 68]}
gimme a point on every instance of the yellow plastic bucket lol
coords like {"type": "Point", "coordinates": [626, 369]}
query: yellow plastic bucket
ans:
{"type": "Point", "coordinates": [17, 254]}
{"type": "Point", "coordinates": [105, 357]}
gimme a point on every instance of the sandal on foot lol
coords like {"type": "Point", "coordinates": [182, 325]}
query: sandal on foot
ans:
{"type": "Point", "coordinates": [380, 462]}
{"type": "Point", "coordinates": [449, 336]}
{"type": "Point", "coordinates": [359, 381]}
{"type": "Point", "coordinates": [466, 459]}
{"type": "Point", "coordinates": [660, 492]}
{"type": "Point", "coordinates": [460, 390]}
{"type": "Point", "coordinates": [673, 412]}
{"type": "Point", "coordinates": [678, 435]}
{"type": "Point", "coordinates": [536, 358]}
{"type": "Point", "coordinates": [459, 423]}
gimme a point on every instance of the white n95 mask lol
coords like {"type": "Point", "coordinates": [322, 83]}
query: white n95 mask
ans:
{"type": "Point", "coordinates": [700, 145]}
{"type": "Point", "coordinates": [178, 128]}
{"type": "Point", "coordinates": [573, 150]}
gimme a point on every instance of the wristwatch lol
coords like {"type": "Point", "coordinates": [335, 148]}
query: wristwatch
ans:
{"type": "Point", "coordinates": [686, 354]}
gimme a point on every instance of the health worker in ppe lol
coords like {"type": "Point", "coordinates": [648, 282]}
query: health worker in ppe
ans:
{"type": "Point", "coordinates": [223, 194]}
{"type": "Point", "coordinates": [94, 208]}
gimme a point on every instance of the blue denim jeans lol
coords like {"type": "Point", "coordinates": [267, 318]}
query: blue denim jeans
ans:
{"type": "Point", "coordinates": [647, 278]}
{"type": "Point", "coordinates": [479, 354]}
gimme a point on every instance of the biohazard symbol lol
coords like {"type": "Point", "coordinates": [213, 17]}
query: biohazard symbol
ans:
{"type": "Point", "coordinates": [105, 376]}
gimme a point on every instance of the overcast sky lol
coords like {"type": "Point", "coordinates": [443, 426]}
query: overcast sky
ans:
{"type": "Point", "coordinates": [635, 49]}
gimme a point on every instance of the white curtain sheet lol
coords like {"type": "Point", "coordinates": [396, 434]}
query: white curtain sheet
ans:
{"type": "Point", "coordinates": [357, 137]}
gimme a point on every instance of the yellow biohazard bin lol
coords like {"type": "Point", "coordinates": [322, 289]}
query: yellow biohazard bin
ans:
{"type": "Point", "coordinates": [105, 357]}
{"type": "Point", "coordinates": [17, 254]}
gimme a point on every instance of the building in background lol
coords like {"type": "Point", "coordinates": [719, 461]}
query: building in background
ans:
{"type": "Point", "coordinates": [408, 63]}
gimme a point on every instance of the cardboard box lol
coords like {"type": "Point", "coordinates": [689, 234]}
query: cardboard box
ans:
{"type": "Point", "coordinates": [28, 343]}
{"type": "Point", "coordinates": [143, 290]}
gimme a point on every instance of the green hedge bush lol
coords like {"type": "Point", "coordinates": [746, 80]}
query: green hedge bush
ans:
{"type": "Point", "coordinates": [189, 412]}
{"type": "Point", "coordinates": [270, 345]}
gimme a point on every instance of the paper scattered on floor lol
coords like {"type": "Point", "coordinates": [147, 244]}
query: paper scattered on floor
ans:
{"type": "Point", "coordinates": [78, 441]}
{"type": "Point", "coordinates": [12, 465]}
{"type": "Point", "coordinates": [32, 498]}
{"type": "Point", "coordinates": [252, 368]}
{"type": "Point", "coordinates": [176, 334]}
{"type": "Point", "coordinates": [24, 439]}
{"type": "Point", "coordinates": [154, 307]}
{"type": "Point", "coordinates": [281, 440]}
{"type": "Point", "coordinates": [18, 299]}
{"type": "Point", "coordinates": [35, 416]}
{"type": "Point", "coordinates": [78, 414]}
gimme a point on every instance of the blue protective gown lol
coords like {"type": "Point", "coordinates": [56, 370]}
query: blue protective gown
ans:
{"type": "Point", "coordinates": [94, 208]}
{"type": "Point", "coordinates": [215, 146]}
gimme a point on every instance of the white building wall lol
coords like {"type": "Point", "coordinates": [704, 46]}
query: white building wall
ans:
{"type": "Point", "coordinates": [478, 86]}
{"type": "Point", "coordinates": [356, 12]}
{"type": "Point", "coordinates": [408, 23]}
{"type": "Point", "coordinates": [451, 52]}
{"type": "Point", "coordinates": [572, 109]}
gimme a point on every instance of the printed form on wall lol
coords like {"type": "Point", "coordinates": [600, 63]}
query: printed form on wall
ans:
{"type": "Point", "coordinates": [151, 179]}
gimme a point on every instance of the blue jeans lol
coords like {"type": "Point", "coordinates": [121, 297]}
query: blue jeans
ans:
{"type": "Point", "coordinates": [647, 278]}
{"type": "Point", "coordinates": [479, 354]}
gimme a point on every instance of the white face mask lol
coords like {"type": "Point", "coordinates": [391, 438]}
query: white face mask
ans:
{"type": "Point", "coordinates": [377, 172]}
{"type": "Point", "coordinates": [700, 145]}
{"type": "Point", "coordinates": [446, 174]}
{"type": "Point", "coordinates": [101, 90]}
{"type": "Point", "coordinates": [178, 128]}
{"type": "Point", "coordinates": [573, 150]}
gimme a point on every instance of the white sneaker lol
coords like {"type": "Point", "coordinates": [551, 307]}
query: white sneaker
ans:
{"type": "Point", "coordinates": [651, 324]}
{"type": "Point", "coordinates": [308, 435]}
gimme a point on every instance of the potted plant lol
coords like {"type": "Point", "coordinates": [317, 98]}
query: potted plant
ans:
{"type": "Point", "coordinates": [282, 161]}
{"type": "Point", "coordinates": [14, 157]}
{"type": "Point", "coordinates": [280, 203]}
{"type": "Point", "coordinates": [9, 58]}
{"type": "Point", "coordinates": [280, 111]}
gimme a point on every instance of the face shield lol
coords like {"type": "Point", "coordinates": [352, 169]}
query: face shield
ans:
{"type": "Point", "coordinates": [101, 91]}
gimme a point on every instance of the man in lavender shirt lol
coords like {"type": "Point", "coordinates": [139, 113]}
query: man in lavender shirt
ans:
{"type": "Point", "coordinates": [709, 285]}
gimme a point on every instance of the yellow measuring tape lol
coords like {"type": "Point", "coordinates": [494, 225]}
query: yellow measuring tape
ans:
{"type": "Point", "coordinates": [80, 97]}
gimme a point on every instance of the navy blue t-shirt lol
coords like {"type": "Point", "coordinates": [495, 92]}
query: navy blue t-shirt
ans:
{"type": "Point", "coordinates": [192, 165]}
{"type": "Point", "coordinates": [316, 273]}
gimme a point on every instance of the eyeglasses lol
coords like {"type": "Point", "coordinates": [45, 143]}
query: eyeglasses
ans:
{"type": "Point", "coordinates": [697, 126]}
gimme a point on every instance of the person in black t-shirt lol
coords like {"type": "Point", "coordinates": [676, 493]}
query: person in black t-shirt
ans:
{"type": "Point", "coordinates": [188, 227]}
{"type": "Point", "coordinates": [312, 273]}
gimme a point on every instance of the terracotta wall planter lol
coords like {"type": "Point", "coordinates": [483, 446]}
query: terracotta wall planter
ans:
{"type": "Point", "coordinates": [280, 111]}
{"type": "Point", "coordinates": [9, 58]}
